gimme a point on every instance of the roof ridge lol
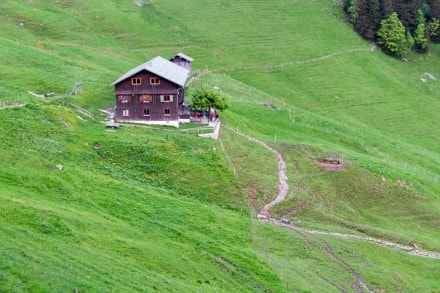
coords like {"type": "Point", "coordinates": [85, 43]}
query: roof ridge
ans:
{"type": "Point", "coordinates": [161, 67]}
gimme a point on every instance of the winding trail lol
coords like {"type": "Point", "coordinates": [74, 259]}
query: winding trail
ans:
{"type": "Point", "coordinates": [264, 214]}
{"type": "Point", "coordinates": [283, 187]}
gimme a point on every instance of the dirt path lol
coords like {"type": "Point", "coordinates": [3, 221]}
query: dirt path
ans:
{"type": "Point", "coordinates": [403, 248]}
{"type": "Point", "coordinates": [264, 214]}
{"type": "Point", "coordinates": [360, 281]}
{"type": "Point", "coordinates": [283, 187]}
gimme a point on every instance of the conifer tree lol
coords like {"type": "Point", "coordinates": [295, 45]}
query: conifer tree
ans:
{"type": "Point", "coordinates": [434, 9]}
{"type": "Point", "coordinates": [434, 30]}
{"type": "Point", "coordinates": [387, 8]}
{"type": "Point", "coordinates": [366, 16]}
{"type": "Point", "coordinates": [374, 16]}
{"type": "Point", "coordinates": [392, 36]}
{"type": "Point", "coordinates": [407, 11]}
{"type": "Point", "coordinates": [361, 25]}
{"type": "Point", "coordinates": [421, 42]}
{"type": "Point", "coordinates": [352, 9]}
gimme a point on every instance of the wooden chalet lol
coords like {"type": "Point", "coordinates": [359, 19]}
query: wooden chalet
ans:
{"type": "Point", "coordinates": [153, 92]}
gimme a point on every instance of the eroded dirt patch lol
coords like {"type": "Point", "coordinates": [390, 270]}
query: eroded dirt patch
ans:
{"type": "Point", "coordinates": [251, 198]}
{"type": "Point", "coordinates": [332, 163]}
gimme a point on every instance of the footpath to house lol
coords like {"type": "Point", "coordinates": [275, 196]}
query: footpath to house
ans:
{"type": "Point", "coordinates": [215, 125]}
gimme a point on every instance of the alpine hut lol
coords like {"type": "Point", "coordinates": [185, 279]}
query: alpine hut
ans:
{"type": "Point", "coordinates": [153, 92]}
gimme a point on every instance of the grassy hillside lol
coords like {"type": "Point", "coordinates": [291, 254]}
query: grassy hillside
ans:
{"type": "Point", "coordinates": [145, 210]}
{"type": "Point", "coordinates": [106, 221]}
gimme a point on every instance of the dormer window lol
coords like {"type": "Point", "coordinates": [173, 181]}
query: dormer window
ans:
{"type": "Point", "coordinates": [154, 81]}
{"type": "Point", "coordinates": [136, 81]}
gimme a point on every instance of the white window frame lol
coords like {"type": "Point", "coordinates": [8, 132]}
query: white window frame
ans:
{"type": "Point", "coordinates": [170, 98]}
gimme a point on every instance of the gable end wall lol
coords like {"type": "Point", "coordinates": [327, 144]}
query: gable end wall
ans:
{"type": "Point", "coordinates": [128, 97]}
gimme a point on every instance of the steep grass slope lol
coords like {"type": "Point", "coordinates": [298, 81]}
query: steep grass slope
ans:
{"type": "Point", "coordinates": [78, 212]}
{"type": "Point", "coordinates": [356, 201]}
{"type": "Point", "coordinates": [126, 215]}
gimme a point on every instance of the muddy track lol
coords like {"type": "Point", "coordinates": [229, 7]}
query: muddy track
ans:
{"type": "Point", "coordinates": [360, 281]}
{"type": "Point", "coordinates": [403, 248]}
{"type": "Point", "coordinates": [283, 186]}
{"type": "Point", "coordinates": [264, 214]}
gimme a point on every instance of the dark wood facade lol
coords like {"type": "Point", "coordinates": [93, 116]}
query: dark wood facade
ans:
{"type": "Point", "coordinates": [153, 92]}
{"type": "Point", "coordinates": [148, 97]}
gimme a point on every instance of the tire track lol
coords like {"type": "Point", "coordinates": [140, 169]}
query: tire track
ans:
{"type": "Point", "coordinates": [350, 269]}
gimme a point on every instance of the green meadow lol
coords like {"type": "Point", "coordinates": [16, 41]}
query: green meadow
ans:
{"type": "Point", "coordinates": [85, 209]}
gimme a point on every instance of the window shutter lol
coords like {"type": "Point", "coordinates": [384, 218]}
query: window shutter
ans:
{"type": "Point", "coordinates": [161, 98]}
{"type": "Point", "coordinates": [171, 98]}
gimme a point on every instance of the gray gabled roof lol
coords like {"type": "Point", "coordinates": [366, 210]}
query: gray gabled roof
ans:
{"type": "Point", "coordinates": [162, 68]}
{"type": "Point", "coordinates": [183, 56]}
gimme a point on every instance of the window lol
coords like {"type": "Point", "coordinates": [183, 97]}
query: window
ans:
{"type": "Point", "coordinates": [136, 81]}
{"type": "Point", "coordinates": [154, 81]}
{"type": "Point", "coordinates": [146, 112]}
{"type": "Point", "coordinates": [124, 99]}
{"type": "Point", "coordinates": [125, 113]}
{"type": "Point", "coordinates": [166, 98]}
{"type": "Point", "coordinates": [167, 112]}
{"type": "Point", "coordinates": [145, 98]}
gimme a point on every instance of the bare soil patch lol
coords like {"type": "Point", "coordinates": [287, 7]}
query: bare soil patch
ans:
{"type": "Point", "coordinates": [298, 208]}
{"type": "Point", "coordinates": [332, 164]}
{"type": "Point", "coordinates": [251, 197]}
